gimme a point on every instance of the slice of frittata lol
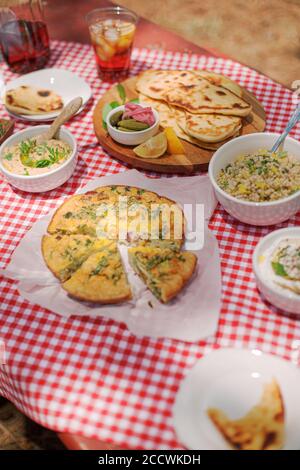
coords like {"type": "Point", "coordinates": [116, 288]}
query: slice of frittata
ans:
{"type": "Point", "coordinates": [101, 278]}
{"type": "Point", "coordinates": [64, 254]}
{"type": "Point", "coordinates": [164, 271]}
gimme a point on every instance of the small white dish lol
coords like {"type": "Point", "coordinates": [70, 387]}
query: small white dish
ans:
{"type": "Point", "coordinates": [253, 213]}
{"type": "Point", "coordinates": [45, 181]}
{"type": "Point", "coordinates": [282, 298]}
{"type": "Point", "coordinates": [134, 137]}
{"type": "Point", "coordinates": [232, 380]}
{"type": "Point", "coordinates": [64, 83]}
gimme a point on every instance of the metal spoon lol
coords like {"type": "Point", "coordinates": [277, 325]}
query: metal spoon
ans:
{"type": "Point", "coordinates": [292, 122]}
{"type": "Point", "coordinates": [69, 110]}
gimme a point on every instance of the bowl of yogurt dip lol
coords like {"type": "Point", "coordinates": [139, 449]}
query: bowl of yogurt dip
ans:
{"type": "Point", "coordinates": [276, 265]}
{"type": "Point", "coordinates": [36, 167]}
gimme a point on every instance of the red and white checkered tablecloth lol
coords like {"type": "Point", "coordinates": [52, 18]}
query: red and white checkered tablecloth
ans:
{"type": "Point", "coordinates": [91, 376]}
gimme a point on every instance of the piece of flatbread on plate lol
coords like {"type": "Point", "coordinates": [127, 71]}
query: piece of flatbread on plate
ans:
{"type": "Point", "coordinates": [26, 99]}
{"type": "Point", "coordinates": [262, 428]}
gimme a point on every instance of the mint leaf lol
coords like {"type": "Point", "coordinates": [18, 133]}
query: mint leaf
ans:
{"type": "Point", "coordinates": [122, 92]}
{"type": "Point", "coordinates": [106, 109]}
{"type": "Point", "coordinates": [8, 156]}
{"type": "Point", "coordinates": [278, 269]}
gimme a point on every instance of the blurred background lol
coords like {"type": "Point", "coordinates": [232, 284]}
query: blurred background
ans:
{"type": "Point", "coordinates": [264, 34]}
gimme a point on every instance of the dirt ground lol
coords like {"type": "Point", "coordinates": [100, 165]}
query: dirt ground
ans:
{"type": "Point", "coordinates": [20, 433]}
{"type": "Point", "coordinates": [264, 34]}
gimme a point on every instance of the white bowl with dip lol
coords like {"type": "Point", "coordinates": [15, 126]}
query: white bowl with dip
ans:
{"type": "Point", "coordinates": [282, 297]}
{"type": "Point", "coordinates": [44, 181]}
{"type": "Point", "coordinates": [253, 213]}
{"type": "Point", "coordinates": [132, 137]}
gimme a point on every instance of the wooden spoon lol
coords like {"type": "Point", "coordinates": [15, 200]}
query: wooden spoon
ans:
{"type": "Point", "coordinates": [69, 110]}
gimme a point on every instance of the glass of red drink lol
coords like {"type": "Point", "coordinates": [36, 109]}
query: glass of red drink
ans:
{"type": "Point", "coordinates": [24, 39]}
{"type": "Point", "coordinates": [112, 32]}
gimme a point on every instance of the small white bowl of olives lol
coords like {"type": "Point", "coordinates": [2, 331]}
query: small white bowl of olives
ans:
{"type": "Point", "coordinates": [129, 131]}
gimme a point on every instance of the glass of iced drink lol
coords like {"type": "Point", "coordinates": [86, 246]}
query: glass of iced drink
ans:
{"type": "Point", "coordinates": [112, 32]}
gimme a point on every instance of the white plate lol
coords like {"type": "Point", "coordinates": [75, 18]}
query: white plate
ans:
{"type": "Point", "coordinates": [64, 83]}
{"type": "Point", "coordinates": [232, 380]}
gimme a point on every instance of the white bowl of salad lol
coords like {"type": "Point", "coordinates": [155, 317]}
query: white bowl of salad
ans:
{"type": "Point", "coordinates": [38, 168]}
{"type": "Point", "coordinates": [254, 185]}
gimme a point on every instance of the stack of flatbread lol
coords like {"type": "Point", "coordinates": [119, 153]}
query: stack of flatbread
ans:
{"type": "Point", "coordinates": [204, 108]}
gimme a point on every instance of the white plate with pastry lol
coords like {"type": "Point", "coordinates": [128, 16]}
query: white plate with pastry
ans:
{"type": "Point", "coordinates": [40, 95]}
{"type": "Point", "coordinates": [239, 399]}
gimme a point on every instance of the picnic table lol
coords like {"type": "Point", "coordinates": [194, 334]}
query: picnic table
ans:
{"type": "Point", "coordinates": [91, 380]}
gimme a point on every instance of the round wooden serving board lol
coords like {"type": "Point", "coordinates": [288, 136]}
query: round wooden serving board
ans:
{"type": "Point", "coordinates": [195, 159]}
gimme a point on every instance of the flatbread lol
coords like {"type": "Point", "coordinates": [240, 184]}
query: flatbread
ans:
{"type": "Point", "coordinates": [164, 271]}
{"type": "Point", "coordinates": [220, 80]}
{"type": "Point", "coordinates": [263, 426]}
{"type": "Point", "coordinates": [167, 116]}
{"type": "Point", "coordinates": [209, 127]}
{"type": "Point", "coordinates": [26, 99]}
{"type": "Point", "coordinates": [155, 83]}
{"type": "Point", "coordinates": [172, 117]}
{"type": "Point", "coordinates": [101, 278]}
{"type": "Point", "coordinates": [207, 98]}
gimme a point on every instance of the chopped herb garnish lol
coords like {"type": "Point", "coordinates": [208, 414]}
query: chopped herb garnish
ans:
{"type": "Point", "coordinates": [42, 163]}
{"type": "Point", "coordinates": [52, 154]}
{"type": "Point", "coordinates": [103, 263]}
{"type": "Point", "coordinates": [278, 268]}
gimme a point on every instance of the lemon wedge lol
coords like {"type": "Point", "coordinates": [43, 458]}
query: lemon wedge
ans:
{"type": "Point", "coordinates": [175, 146]}
{"type": "Point", "coordinates": [154, 147]}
